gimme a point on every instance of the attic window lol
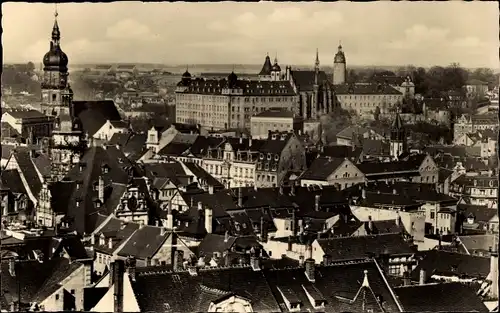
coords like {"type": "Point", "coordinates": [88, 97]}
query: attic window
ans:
{"type": "Point", "coordinates": [105, 169]}
{"type": "Point", "coordinates": [276, 157]}
{"type": "Point", "coordinates": [269, 156]}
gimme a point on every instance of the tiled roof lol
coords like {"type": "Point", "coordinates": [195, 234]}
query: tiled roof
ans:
{"type": "Point", "coordinates": [174, 149]}
{"type": "Point", "coordinates": [73, 246]}
{"type": "Point", "coordinates": [479, 242]}
{"type": "Point", "coordinates": [117, 236]}
{"type": "Point", "coordinates": [322, 168]}
{"type": "Point", "coordinates": [26, 114]}
{"type": "Point", "coordinates": [337, 151]}
{"type": "Point", "coordinates": [182, 292]}
{"type": "Point", "coordinates": [276, 113]}
{"type": "Point", "coordinates": [441, 297]}
{"type": "Point", "coordinates": [374, 147]}
{"type": "Point", "coordinates": [266, 68]}
{"type": "Point", "coordinates": [12, 180]}
{"type": "Point", "coordinates": [215, 243]}
{"type": "Point", "coordinates": [444, 174]}
{"type": "Point", "coordinates": [351, 131]}
{"type": "Point", "coordinates": [60, 192]}
{"type": "Point", "coordinates": [93, 114]}
{"type": "Point", "coordinates": [31, 277]}
{"type": "Point", "coordinates": [368, 89]}
{"type": "Point", "coordinates": [480, 212]}
{"type": "Point", "coordinates": [93, 162]}
{"type": "Point", "coordinates": [200, 146]}
{"type": "Point", "coordinates": [452, 264]}
{"type": "Point", "coordinates": [304, 80]}
{"type": "Point", "coordinates": [384, 227]}
{"type": "Point", "coordinates": [360, 247]}
{"type": "Point", "coordinates": [28, 169]}
{"type": "Point", "coordinates": [42, 164]}
{"type": "Point", "coordinates": [58, 274]}
{"type": "Point", "coordinates": [145, 242]}
{"type": "Point", "coordinates": [203, 175]}
{"type": "Point", "coordinates": [376, 168]}
{"type": "Point", "coordinates": [340, 285]}
{"type": "Point", "coordinates": [248, 87]}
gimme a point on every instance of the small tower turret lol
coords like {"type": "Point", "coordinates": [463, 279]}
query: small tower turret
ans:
{"type": "Point", "coordinates": [398, 136]}
{"type": "Point", "coordinates": [339, 67]}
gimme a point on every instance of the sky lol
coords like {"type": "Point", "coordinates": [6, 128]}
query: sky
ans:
{"type": "Point", "coordinates": [371, 33]}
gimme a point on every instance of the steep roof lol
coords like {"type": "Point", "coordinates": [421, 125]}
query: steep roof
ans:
{"type": "Point", "coordinates": [450, 263]}
{"type": "Point", "coordinates": [321, 168]}
{"type": "Point", "coordinates": [93, 114]}
{"type": "Point", "coordinates": [266, 68]}
{"type": "Point", "coordinates": [441, 297]}
{"type": "Point", "coordinates": [304, 79]}
{"type": "Point", "coordinates": [12, 180]}
{"type": "Point", "coordinates": [93, 164]}
{"type": "Point", "coordinates": [28, 169]}
{"type": "Point", "coordinates": [26, 114]}
{"type": "Point", "coordinates": [145, 242]}
{"type": "Point", "coordinates": [248, 87]}
{"type": "Point", "coordinates": [360, 247]}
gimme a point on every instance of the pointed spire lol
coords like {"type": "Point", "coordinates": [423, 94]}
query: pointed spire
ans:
{"type": "Point", "coordinates": [56, 34]}
{"type": "Point", "coordinates": [276, 58]}
{"type": "Point", "coordinates": [340, 45]}
{"type": "Point", "coordinates": [317, 58]}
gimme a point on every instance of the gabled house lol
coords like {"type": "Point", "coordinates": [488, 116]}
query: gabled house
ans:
{"type": "Point", "coordinates": [109, 128]}
{"type": "Point", "coordinates": [339, 172]}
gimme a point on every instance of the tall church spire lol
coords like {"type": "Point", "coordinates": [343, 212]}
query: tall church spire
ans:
{"type": "Point", "coordinates": [56, 34]}
{"type": "Point", "coordinates": [317, 58]}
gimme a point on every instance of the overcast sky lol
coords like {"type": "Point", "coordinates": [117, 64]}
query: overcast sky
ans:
{"type": "Point", "coordinates": [372, 33]}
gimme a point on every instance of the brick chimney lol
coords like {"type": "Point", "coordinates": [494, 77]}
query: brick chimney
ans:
{"type": "Point", "coordinates": [316, 202]}
{"type": "Point", "coordinates": [255, 262]}
{"type": "Point", "coordinates": [118, 271]}
{"type": "Point", "coordinates": [494, 274]}
{"type": "Point", "coordinates": [310, 270]}
{"type": "Point", "coordinates": [208, 219]}
{"type": "Point", "coordinates": [130, 266]}
{"type": "Point", "coordinates": [370, 224]}
{"type": "Point", "coordinates": [110, 243]}
{"type": "Point", "coordinates": [211, 189]}
{"type": "Point", "coordinates": [12, 267]}
{"type": "Point", "coordinates": [240, 197]}
{"type": "Point", "coordinates": [363, 193]}
{"type": "Point", "coordinates": [326, 259]}
{"type": "Point", "coordinates": [170, 216]}
{"type": "Point", "coordinates": [226, 236]}
{"type": "Point", "coordinates": [421, 280]}
{"type": "Point", "coordinates": [406, 278]}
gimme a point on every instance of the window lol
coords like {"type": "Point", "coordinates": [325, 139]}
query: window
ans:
{"type": "Point", "coordinates": [72, 291]}
{"type": "Point", "coordinates": [432, 214]}
{"type": "Point", "coordinates": [57, 296]}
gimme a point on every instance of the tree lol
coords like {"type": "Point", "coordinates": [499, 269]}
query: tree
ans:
{"type": "Point", "coordinates": [353, 76]}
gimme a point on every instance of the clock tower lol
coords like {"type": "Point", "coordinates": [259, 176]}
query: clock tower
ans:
{"type": "Point", "coordinates": [67, 142]}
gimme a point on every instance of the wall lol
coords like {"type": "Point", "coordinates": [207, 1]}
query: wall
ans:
{"type": "Point", "coordinates": [261, 125]}
{"type": "Point", "coordinates": [77, 282]}
{"type": "Point", "coordinates": [346, 175]}
{"type": "Point", "coordinates": [106, 304]}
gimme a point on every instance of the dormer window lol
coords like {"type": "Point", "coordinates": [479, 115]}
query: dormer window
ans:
{"type": "Point", "coordinates": [105, 169]}
{"type": "Point", "coordinates": [276, 157]}
{"type": "Point", "coordinates": [269, 156]}
{"type": "Point", "coordinates": [261, 156]}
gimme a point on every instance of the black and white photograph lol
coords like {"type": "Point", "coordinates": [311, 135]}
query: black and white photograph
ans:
{"type": "Point", "coordinates": [186, 157]}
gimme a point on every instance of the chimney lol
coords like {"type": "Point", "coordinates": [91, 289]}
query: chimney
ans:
{"type": "Point", "coordinates": [130, 265]}
{"type": "Point", "coordinates": [301, 226]}
{"type": "Point", "coordinates": [118, 285]}
{"type": "Point", "coordinates": [406, 278]}
{"type": "Point", "coordinates": [292, 190]}
{"type": "Point", "coordinates": [494, 274]}
{"type": "Point", "coordinates": [316, 202]}
{"type": "Point", "coordinates": [241, 139]}
{"type": "Point", "coordinates": [255, 262]}
{"type": "Point", "coordinates": [262, 235]}
{"type": "Point", "coordinates": [12, 267]}
{"type": "Point", "coordinates": [310, 270]}
{"type": "Point", "coordinates": [249, 141]}
{"type": "Point", "coordinates": [370, 223]}
{"type": "Point", "coordinates": [208, 219]}
{"type": "Point", "coordinates": [440, 240]}
{"type": "Point", "coordinates": [240, 197]}
{"type": "Point", "coordinates": [92, 239]}
{"type": "Point", "coordinates": [281, 190]}
{"type": "Point", "coordinates": [394, 191]}
{"type": "Point", "coordinates": [200, 206]}
{"type": "Point", "coordinates": [170, 216]}
{"type": "Point", "coordinates": [101, 189]}
{"type": "Point", "coordinates": [178, 260]}
{"type": "Point", "coordinates": [111, 275]}
{"type": "Point", "coordinates": [210, 190]}
{"type": "Point", "coordinates": [290, 243]}
{"type": "Point", "coordinates": [226, 236]}
{"type": "Point", "coordinates": [227, 259]}
{"type": "Point", "coordinates": [163, 231]}
{"type": "Point", "coordinates": [421, 280]}
{"type": "Point", "coordinates": [301, 260]}
{"type": "Point", "coordinates": [326, 259]}
{"type": "Point", "coordinates": [110, 243]}
{"type": "Point", "coordinates": [363, 193]}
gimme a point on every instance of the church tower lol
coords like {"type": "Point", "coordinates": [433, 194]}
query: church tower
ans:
{"type": "Point", "coordinates": [339, 68]}
{"type": "Point", "coordinates": [67, 142]}
{"type": "Point", "coordinates": [275, 70]}
{"type": "Point", "coordinates": [315, 94]}
{"type": "Point", "coordinates": [398, 137]}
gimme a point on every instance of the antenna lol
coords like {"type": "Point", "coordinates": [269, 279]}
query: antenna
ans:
{"type": "Point", "coordinates": [55, 11]}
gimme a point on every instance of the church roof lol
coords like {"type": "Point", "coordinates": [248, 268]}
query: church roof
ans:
{"type": "Point", "coordinates": [267, 67]}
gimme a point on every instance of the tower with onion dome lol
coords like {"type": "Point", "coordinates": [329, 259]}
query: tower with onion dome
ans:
{"type": "Point", "coordinates": [339, 67]}
{"type": "Point", "coordinates": [67, 142]}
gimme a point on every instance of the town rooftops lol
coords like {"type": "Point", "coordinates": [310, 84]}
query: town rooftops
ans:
{"type": "Point", "coordinates": [26, 114]}
{"type": "Point", "coordinates": [304, 79]}
{"type": "Point", "coordinates": [322, 168]}
{"type": "Point", "coordinates": [361, 247]}
{"type": "Point", "coordinates": [145, 242]}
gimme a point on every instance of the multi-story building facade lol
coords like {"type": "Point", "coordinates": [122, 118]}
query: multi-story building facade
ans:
{"type": "Point", "coordinates": [30, 124]}
{"type": "Point", "coordinates": [275, 120]}
{"type": "Point", "coordinates": [466, 124]}
{"type": "Point", "coordinates": [222, 104]}
{"type": "Point", "coordinates": [477, 190]}
{"type": "Point", "coordinates": [365, 99]}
